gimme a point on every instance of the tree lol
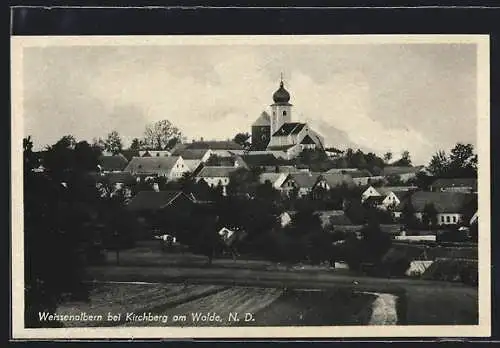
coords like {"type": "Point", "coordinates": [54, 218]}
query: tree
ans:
{"type": "Point", "coordinates": [113, 143]}
{"type": "Point", "coordinates": [408, 215]}
{"type": "Point", "coordinates": [429, 216]}
{"type": "Point", "coordinates": [463, 161]}
{"type": "Point", "coordinates": [387, 157]}
{"type": "Point", "coordinates": [135, 145]}
{"type": "Point", "coordinates": [242, 139]}
{"type": "Point", "coordinates": [161, 135]}
{"type": "Point", "coordinates": [439, 164]}
{"type": "Point", "coordinates": [422, 181]}
{"type": "Point", "coordinates": [56, 227]}
{"type": "Point", "coordinates": [404, 161]}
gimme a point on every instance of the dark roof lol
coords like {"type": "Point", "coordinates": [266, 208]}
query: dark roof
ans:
{"type": "Point", "coordinates": [281, 96]}
{"type": "Point", "coordinates": [151, 165]}
{"type": "Point", "coordinates": [307, 140]}
{"type": "Point", "coordinates": [214, 145]}
{"type": "Point", "coordinates": [263, 120]}
{"type": "Point", "coordinates": [458, 182]}
{"type": "Point", "coordinates": [153, 200]}
{"type": "Point", "coordinates": [385, 190]}
{"type": "Point", "coordinates": [216, 172]}
{"type": "Point", "coordinates": [120, 178]}
{"type": "Point", "coordinates": [113, 163]}
{"type": "Point", "coordinates": [395, 170]}
{"type": "Point", "coordinates": [375, 199]}
{"type": "Point", "coordinates": [305, 179]}
{"type": "Point", "coordinates": [190, 154]}
{"type": "Point", "coordinates": [444, 202]}
{"type": "Point", "coordinates": [337, 179]}
{"type": "Point", "coordinates": [265, 159]}
{"type": "Point", "coordinates": [289, 128]}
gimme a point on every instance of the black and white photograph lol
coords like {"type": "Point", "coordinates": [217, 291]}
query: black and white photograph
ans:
{"type": "Point", "coordinates": [243, 186]}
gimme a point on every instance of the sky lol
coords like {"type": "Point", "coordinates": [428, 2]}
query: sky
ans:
{"type": "Point", "coordinates": [376, 97]}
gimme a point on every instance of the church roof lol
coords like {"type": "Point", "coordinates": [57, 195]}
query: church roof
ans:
{"type": "Point", "coordinates": [289, 128]}
{"type": "Point", "coordinates": [263, 120]}
{"type": "Point", "coordinates": [281, 96]}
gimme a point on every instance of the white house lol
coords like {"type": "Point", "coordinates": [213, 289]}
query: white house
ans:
{"type": "Point", "coordinates": [392, 195]}
{"type": "Point", "coordinates": [172, 167]}
{"type": "Point", "coordinates": [216, 176]}
{"type": "Point", "coordinates": [451, 207]}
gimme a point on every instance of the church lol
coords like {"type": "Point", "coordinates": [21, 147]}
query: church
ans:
{"type": "Point", "coordinates": [278, 133]}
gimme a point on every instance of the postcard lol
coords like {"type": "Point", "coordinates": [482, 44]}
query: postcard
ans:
{"type": "Point", "coordinates": [250, 186]}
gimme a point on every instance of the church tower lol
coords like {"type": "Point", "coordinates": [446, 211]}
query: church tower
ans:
{"type": "Point", "coordinates": [281, 108]}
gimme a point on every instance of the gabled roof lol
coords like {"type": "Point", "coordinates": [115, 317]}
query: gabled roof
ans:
{"type": "Point", "coordinates": [444, 202]}
{"type": "Point", "coordinates": [337, 179]}
{"type": "Point", "coordinates": [215, 172]}
{"type": "Point", "coordinates": [305, 179]}
{"type": "Point", "coordinates": [153, 200]}
{"type": "Point", "coordinates": [263, 120]}
{"type": "Point", "coordinates": [395, 170]}
{"type": "Point", "coordinates": [151, 165]}
{"type": "Point", "coordinates": [214, 145]}
{"type": "Point", "coordinates": [385, 190]}
{"type": "Point", "coordinates": [113, 163]}
{"type": "Point", "coordinates": [190, 154]}
{"type": "Point", "coordinates": [307, 140]}
{"type": "Point", "coordinates": [276, 179]}
{"type": "Point", "coordinates": [289, 128]}
{"type": "Point", "coordinates": [192, 164]}
{"type": "Point", "coordinates": [458, 182]}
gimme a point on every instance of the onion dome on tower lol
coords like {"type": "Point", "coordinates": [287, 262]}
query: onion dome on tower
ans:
{"type": "Point", "coordinates": [281, 96]}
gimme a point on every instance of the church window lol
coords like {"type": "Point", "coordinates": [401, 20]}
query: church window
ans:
{"type": "Point", "coordinates": [284, 113]}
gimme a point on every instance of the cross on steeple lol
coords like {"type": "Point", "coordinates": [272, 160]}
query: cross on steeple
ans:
{"type": "Point", "coordinates": [281, 82]}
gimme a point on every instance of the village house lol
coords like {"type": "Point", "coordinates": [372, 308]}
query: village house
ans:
{"type": "Point", "coordinates": [193, 154]}
{"type": "Point", "coordinates": [112, 164]}
{"type": "Point", "coordinates": [386, 196]}
{"type": "Point", "coordinates": [171, 168]}
{"type": "Point", "coordinates": [221, 148]}
{"type": "Point", "coordinates": [403, 173]}
{"type": "Point", "coordinates": [216, 176]}
{"type": "Point", "coordinates": [302, 182]}
{"type": "Point", "coordinates": [465, 185]}
{"type": "Point", "coordinates": [161, 212]}
{"type": "Point", "coordinates": [451, 207]}
{"type": "Point", "coordinates": [328, 181]}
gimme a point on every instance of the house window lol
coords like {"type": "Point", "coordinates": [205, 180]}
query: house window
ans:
{"type": "Point", "coordinates": [442, 218]}
{"type": "Point", "coordinates": [454, 219]}
{"type": "Point", "coordinates": [447, 219]}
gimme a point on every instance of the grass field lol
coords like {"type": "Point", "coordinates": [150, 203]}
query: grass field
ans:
{"type": "Point", "coordinates": [185, 305]}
